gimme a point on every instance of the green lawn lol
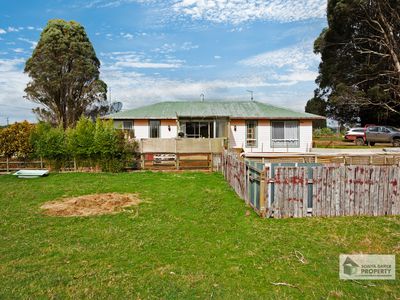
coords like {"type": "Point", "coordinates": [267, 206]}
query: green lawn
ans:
{"type": "Point", "coordinates": [191, 238]}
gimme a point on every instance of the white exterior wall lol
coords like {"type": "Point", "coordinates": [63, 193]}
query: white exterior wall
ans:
{"type": "Point", "coordinates": [167, 134]}
{"type": "Point", "coordinates": [142, 128]}
{"type": "Point", "coordinates": [237, 139]}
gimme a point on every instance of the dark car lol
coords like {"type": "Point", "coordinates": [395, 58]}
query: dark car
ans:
{"type": "Point", "coordinates": [382, 134]}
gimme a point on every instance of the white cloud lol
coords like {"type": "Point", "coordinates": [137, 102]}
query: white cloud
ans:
{"type": "Point", "coordinates": [18, 50]}
{"type": "Point", "coordinates": [12, 84]}
{"type": "Point", "coordinates": [217, 57]}
{"type": "Point", "coordinates": [132, 59]}
{"type": "Point", "coordinates": [134, 88]}
{"type": "Point", "coordinates": [2, 31]}
{"type": "Point", "coordinates": [127, 36]}
{"type": "Point", "coordinates": [293, 64]}
{"type": "Point", "coordinates": [172, 47]}
{"type": "Point", "coordinates": [145, 65]}
{"type": "Point", "coordinates": [238, 11]}
{"type": "Point", "coordinates": [13, 29]}
{"type": "Point", "coordinates": [112, 3]}
{"type": "Point", "coordinates": [300, 55]}
{"type": "Point", "coordinates": [188, 46]}
{"type": "Point", "coordinates": [230, 11]}
{"type": "Point", "coordinates": [32, 43]}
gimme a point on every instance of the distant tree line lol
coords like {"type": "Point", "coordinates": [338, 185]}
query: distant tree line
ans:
{"type": "Point", "coordinates": [359, 76]}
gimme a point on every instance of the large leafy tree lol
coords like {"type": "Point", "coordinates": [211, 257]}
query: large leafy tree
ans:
{"type": "Point", "coordinates": [65, 74]}
{"type": "Point", "coordinates": [360, 70]}
{"type": "Point", "coordinates": [317, 106]}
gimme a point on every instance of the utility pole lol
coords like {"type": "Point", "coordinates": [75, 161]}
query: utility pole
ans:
{"type": "Point", "coordinates": [251, 94]}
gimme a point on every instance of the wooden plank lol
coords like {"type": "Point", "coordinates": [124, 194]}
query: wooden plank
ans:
{"type": "Point", "coordinates": [285, 192]}
{"type": "Point", "coordinates": [395, 209]}
{"type": "Point", "coordinates": [357, 173]}
{"type": "Point", "coordinates": [305, 192]}
{"type": "Point", "coordinates": [385, 183]}
{"type": "Point", "coordinates": [316, 190]}
{"type": "Point", "coordinates": [351, 188]}
{"type": "Point", "coordinates": [375, 199]}
{"type": "Point", "coordinates": [279, 190]}
{"type": "Point", "coordinates": [337, 194]}
{"type": "Point", "coordinates": [363, 196]}
{"type": "Point", "coordinates": [266, 190]}
{"type": "Point", "coordinates": [342, 197]}
{"type": "Point", "coordinates": [292, 190]}
{"type": "Point", "coordinates": [262, 193]}
{"type": "Point", "coordinates": [329, 192]}
{"type": "Point", "coordinates": [323, 192]}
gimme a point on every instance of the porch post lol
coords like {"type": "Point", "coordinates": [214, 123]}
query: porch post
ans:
{"type": "Point", "coordinates": [215, 129]}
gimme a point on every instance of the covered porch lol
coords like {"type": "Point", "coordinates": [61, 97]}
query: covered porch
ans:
{"type": "Point", "coordinates": [203, 127]}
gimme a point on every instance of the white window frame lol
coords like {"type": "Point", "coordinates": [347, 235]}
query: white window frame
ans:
{"type": "Point", "coordinates": [286, 141]}
{"type": "Point", "coordinates": [159, 129]}
{"type": "Point", "coordinates": [251, 142]}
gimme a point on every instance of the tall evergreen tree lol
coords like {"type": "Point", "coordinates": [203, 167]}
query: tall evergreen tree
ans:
{"type": "Point", "coordinates": [65, 74]}
{"type": "Point", "coordinates": [317, 105]}
{"type": "Point", "coordinates": [360, 69]}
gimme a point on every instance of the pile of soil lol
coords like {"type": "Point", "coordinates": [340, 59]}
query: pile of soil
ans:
{"type": "Point", "coordinates": [90, 205]}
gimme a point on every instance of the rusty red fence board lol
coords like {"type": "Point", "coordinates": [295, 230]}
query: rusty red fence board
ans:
{"type": "Point", "coordinates": [352, 190]}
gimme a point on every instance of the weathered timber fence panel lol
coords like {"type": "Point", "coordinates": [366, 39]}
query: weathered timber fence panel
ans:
{"type": "Point", "coordinates": [290, 192]}
{"type": "Point", "coordinates": [234, 171]}
{"type": "Point", "coordinates": [321, 191]}
{"type": "Point", "coordinates": [355, 191]}
{"type": "Point", "coordinates": [336, 191]}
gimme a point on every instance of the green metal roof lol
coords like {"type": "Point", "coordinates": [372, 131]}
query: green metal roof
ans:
{"type": "Point", "coordinates": [203, 109]}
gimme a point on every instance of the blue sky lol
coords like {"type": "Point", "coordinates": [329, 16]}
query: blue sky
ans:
{"type": "Point", "coordinates": [159, 50]}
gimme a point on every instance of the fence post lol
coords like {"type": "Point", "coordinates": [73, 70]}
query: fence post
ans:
{"type": "Point", "coordinates": [41, 162]}
{"type": "Point", "coordinates": [7, 165]}
{"type": "Point", "coordinates": [211, 162]}
{"type": "Point", "coordinates": [177, 155]}
{"type": "Point", "coordinates": [142, 157]}
{"type": "Point", "coordinates": [263, 186]}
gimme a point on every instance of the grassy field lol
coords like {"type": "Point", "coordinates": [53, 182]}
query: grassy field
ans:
{"type": "Point", "coordinates": [191, 238]}
{"type": "Point", "coordinates": [338, 142]}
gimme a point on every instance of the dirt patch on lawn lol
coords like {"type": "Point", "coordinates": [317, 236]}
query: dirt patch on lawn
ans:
{"type": "Point", "coordinates": [90, 205]}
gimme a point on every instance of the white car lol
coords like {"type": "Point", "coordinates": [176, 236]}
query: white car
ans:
{"type": "Point", "coordinates": [353, 133]}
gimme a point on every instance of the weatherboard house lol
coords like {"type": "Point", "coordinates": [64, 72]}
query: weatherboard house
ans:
{"type": "Point", "coordinates": [248, 125]}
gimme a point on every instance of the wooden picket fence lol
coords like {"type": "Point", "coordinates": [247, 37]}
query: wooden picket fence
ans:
{"type": "Point", "coordinates": [234, 171]}
{"type": "Point", "coordinates": [321, 191]}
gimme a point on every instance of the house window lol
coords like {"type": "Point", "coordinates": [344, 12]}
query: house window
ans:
{"type": "Point", "coordinates": [198, 129]}
{"type": "Point", "coordinates": [154, 126]}
{"type": "Point", "coordinates": [127, 125]}
{"type": "Point", "coordinates": [285, 134]}
{"type": "Point", "coordinates": [251, 133]}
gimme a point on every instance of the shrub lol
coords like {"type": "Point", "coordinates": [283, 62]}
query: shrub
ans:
{"type": "Point", "coordinates": [15, 140]}
{"type": "Point", "coordinates": [323, 132]}
{"type": "Point", "coordinates": [50, 143]}
{"type": "Point", "coordinates": [80, 140]}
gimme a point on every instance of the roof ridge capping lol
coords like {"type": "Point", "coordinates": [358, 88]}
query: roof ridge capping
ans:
{"type": "Point", "coordinates": [219, 108]}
